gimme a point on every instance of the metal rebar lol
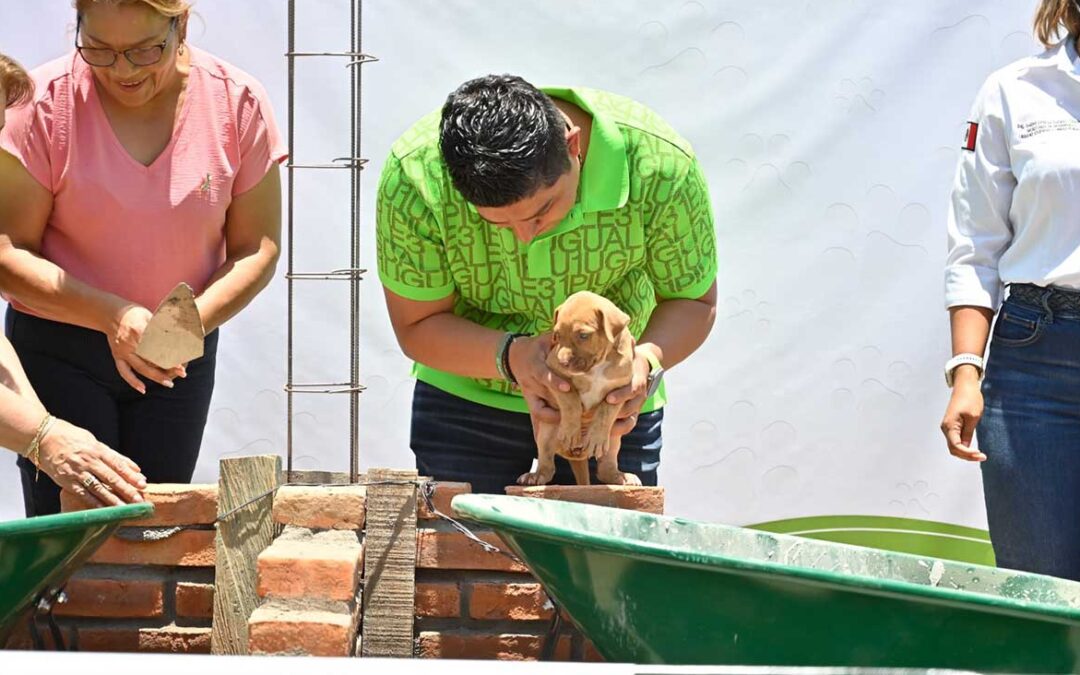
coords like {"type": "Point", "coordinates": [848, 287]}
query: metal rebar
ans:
{"type": "Point", "coordinates": [327, 388]}
{"type": "Point", "coordinates": [358, 57]}
{"type": "Point", "coordinates": [338, 163]}
{"type": "Point", "coordinates": [354, 163]}
{"type": "Point", "coordinates": [346, 274]}
{"type": "Point", "coordinates": [291, 249]}
{"type": "Point", "coordinates": [356, 45]}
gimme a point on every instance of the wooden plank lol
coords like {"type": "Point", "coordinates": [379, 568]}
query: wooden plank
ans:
{"type": "Point", "coordinates": [389, 565]}
{"type": "Point", "coordinates": [240, 539]}
{"type": "Point", "coordinates": [318, 477]}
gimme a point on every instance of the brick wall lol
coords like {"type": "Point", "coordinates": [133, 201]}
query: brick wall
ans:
{"type": "Point", "coordinates": [309, 579]}
{"type": "Point", "coordinates": [150, 588]}
{"type": "Point", "coordinates": [475, 604]}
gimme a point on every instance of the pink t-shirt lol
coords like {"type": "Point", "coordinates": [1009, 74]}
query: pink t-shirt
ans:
{"type": "Point", "coordinates": [131, 229]}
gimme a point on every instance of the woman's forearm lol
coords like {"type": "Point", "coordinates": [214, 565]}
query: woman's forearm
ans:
{"type": "Point", "coordinates": [12, 375]}
{"type": "Point", "coordinates": [20, 410]}
{"type": "Point", "coordinates": [235, 284]}
{"type": "Point", "coordinates": [970, 330]}
{"type": "Point", "coordinates": [56, 294]}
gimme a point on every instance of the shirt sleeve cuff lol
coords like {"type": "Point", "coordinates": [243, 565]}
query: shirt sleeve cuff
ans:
{"type": "Point", "coordinates": [971, 285]}
{"type": "Point", "coordinates": [414, 293]}
{"type": "Point", "coordinates": [692, 292]}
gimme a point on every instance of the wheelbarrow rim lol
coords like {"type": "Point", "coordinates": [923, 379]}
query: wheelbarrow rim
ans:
{"type": "Point", "coordinates": [477, 507]}
{"type": "Point", "coordinates": [62, 521]}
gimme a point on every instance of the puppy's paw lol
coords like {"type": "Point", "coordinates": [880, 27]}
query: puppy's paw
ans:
{"type": "Point", "coordinates": [568, 438]}
{"type": "Point", "coordinates": [618, 478]}
{"type": "Point", "coordinates": [533, 478]}
{"type": "Point", "coordinates": [597, 444]}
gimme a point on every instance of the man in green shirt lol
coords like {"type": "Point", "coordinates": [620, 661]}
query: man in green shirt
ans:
{"type": "Point", "coordinates": [494, 210]}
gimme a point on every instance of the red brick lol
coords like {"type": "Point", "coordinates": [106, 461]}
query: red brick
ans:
{"type": "Point", "coordinates": [186, 548]}
{"type": "Point", "coordinates": [311, 568]}
{"type": "Point", "coordinates": [308, 632]}
{"type": "Point", "coordinates": [477, 645]}
{"type": "Point", "coordinates": [590, 653]}
{"type": "Point", "coordinates": [174, 504]}
{"type": "Point", "coordinates": [169, 639]}
{"type": "Point", "coordinates": [517, 602]}
{"type": "Point", "coordinates": [326, 507]}
{"type": "Point", "coordinates": [444, 492]}
{"type": "Point", "coordinates": [112, 598]}
{"type": "Point", "coordinates": [195, 601]}
{"type": "Point", "coordinates": [455, 551]}
{"type": "Point", "coordinates": [440, 599]}
{"type": "Point", "coordinates": [633, 497]}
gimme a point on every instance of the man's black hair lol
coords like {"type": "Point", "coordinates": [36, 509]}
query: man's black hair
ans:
{"type": "Point", "coordinates": [502, 140]}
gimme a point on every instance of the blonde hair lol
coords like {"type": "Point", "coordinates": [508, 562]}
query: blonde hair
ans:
{"type": "Point", "coordinates": [17, 86]}
{"type": "Point", "coordinates": [169, 8]}
{"type": "Point", "coordinates": [1052, 16]}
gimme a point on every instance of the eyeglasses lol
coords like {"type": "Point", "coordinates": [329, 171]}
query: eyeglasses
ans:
{"type": "Point", "coordinates": [103, 57]}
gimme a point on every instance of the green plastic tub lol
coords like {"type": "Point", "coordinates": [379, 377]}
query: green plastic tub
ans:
{"type": "Point", "coordinates": [661, 590]}
{"type": "Point", "coordinates": [40, 554]}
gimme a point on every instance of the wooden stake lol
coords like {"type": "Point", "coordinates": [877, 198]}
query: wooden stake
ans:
{"type": "Point", "coordinates": [241, 537]}
{"type": "Point", "coordinates": [389, 565]}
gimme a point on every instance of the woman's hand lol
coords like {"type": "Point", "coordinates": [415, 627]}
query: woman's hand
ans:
{"type": "Point", "coordinates": [124, 339]}
{"type": "Point", "coordinates": [963, 414]}
{"type": "Point", "coordinates": [95, 473]}
{"type": "Point", "coordinates": [528, 362]}
{"type": "Point", "coordinates": [632, 396]}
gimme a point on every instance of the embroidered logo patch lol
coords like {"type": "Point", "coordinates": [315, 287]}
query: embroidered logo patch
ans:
{"type": "Point", "coordinates": [971, 136]}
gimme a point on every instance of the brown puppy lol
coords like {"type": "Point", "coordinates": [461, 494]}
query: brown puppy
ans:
{"type": "Point", "coordinates": [593, 350]}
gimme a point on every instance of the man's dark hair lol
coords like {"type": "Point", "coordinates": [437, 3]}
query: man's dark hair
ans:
{"type": "Point", "coordinates": [502, 140]}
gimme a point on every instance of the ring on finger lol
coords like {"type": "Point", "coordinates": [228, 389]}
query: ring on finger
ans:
{"type": "Point", "coordinates": [90, 482]}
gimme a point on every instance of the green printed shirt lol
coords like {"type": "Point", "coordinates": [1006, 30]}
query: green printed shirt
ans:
{"type": "Point", "coordinates": [642, 228]}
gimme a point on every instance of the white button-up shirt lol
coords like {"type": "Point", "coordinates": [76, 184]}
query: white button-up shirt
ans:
{"type": "Point", "coordinates": [1015, 215]}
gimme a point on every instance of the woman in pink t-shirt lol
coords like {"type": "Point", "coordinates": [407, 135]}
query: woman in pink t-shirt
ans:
{"type": "Point", "coordinates": [142, 162]}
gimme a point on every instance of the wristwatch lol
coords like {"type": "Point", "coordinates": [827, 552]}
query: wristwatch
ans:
{"type": "Point", "coordinates": [959, 360]}
{"type": "Point", "coordinates": [656, 374]}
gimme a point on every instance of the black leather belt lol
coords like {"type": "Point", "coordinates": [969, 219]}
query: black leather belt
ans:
{"type": "Point", "coordinates": [1058, 299]}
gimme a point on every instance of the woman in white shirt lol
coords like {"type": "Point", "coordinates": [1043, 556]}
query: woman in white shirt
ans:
{"type": "Point", "coordinates": [1014, 230]}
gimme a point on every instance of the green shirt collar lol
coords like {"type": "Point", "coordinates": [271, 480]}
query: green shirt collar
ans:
{"type": "Point", "coordinates": [605, 178]}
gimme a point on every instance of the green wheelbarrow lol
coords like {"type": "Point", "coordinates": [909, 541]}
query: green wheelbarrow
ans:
{"type": "Point", "coordinates": [662, 590]}
{"type": "Point", "coordinates": [38, 556]}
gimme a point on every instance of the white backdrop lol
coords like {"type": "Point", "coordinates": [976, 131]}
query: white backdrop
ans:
{"type": "Point", "coordinates": [828, 129]}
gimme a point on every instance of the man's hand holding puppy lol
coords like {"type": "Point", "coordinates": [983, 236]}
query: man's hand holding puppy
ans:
{"type": "Point", "coordinates": [528, 356]}
{"type": "Point", "coordinates": [633, 396]}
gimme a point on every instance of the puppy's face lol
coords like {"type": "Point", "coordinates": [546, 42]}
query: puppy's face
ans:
{"type": "Point", "coordinates": [586, 331]}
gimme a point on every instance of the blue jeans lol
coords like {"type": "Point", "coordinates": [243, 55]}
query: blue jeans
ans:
{"type": "Point", "coordinates": [1030, 433]}
{"type": "Point", "coordinates": [458, 440]}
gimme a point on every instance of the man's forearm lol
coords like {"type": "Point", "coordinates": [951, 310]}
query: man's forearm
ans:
{"type": "Point", "coordinates": [453, 345]}
{"type": "Point", "coordinates": [677, 328]}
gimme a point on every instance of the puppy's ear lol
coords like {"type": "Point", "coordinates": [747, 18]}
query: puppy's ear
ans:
{"type": "Point", "coordinates": [613, 322]}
